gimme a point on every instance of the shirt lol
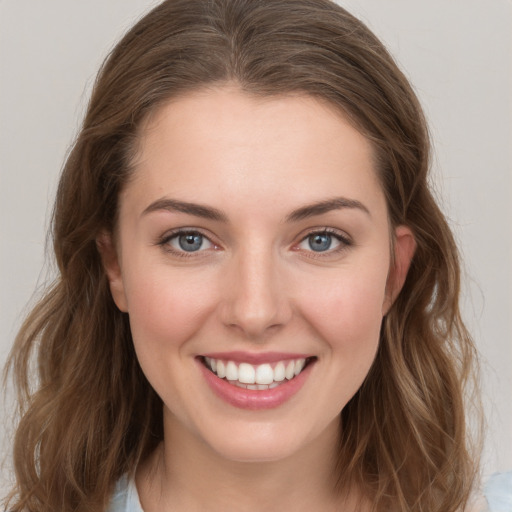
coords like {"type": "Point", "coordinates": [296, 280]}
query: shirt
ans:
{"type": "Point", "coordinates": [125, 497]}
{"type": "Point", "coordinates": [498, 495]}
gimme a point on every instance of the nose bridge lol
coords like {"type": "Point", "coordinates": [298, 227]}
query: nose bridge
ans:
{"type": "Point", "coordinates": [257, 299]}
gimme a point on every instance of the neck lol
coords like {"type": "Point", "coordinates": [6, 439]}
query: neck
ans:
{"type": "Point", "coordinates": [186, 474]}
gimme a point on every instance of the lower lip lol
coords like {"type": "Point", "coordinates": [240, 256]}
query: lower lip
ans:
{"type": "Point", "coordinates": [253, 399]}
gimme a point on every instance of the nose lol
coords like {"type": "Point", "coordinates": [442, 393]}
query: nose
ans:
{"type": "Point", "coordinates": [256, 301]}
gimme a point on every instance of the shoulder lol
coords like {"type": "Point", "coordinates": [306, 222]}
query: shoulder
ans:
{"type": "Point", "coordinates": [125, 497]}
{"type": "Point", "coordinates": [498, 492]}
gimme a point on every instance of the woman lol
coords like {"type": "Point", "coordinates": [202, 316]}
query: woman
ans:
{"type": "Point", "coordinates": [257, 305]}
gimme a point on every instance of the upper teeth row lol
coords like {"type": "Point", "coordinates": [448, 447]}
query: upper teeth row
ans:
{"type": "Point", "coordinates": [260, 374]}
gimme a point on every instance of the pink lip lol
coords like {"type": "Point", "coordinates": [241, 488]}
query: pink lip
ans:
{"type": "Point", "coordinates": [254, 399]}
{"type": "Point", "coordinates": [254, 357]}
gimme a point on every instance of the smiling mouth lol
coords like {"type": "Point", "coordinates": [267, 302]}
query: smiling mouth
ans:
{"type": "Point", "coordinates": [257, 377]}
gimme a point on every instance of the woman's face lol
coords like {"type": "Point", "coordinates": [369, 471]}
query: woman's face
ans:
{"type": "Point", "coordinates": [253, 245]}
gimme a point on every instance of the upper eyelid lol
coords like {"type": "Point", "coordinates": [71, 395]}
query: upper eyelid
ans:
{"type": "Point", "coordinates": [183, 231]}
{"type": "Point", "coordinates": [174, 233]}
{"type": "Point", "coordinates": [338, 233]}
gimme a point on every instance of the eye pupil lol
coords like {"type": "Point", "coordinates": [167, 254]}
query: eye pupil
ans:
{"type": "Point", "coordinates": [320, 242]}
{"type": "Point", "coordinates": [190, 242]}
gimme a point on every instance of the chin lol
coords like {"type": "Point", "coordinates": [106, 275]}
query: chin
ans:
{"type": "Point", "coordinates": [267, 442]}
{"type": "Point", "coordinates": [249, 450]}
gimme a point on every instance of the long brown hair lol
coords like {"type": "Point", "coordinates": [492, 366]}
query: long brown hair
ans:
{"type": "Point", "coordinates": [93, 416]}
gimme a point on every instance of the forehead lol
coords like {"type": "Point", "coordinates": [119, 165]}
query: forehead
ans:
{"type": "Point", "coordinates": [223, 146]}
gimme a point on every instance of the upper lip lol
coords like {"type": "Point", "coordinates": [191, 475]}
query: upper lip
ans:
{"type": "Point", "coordinates": [255, 358]}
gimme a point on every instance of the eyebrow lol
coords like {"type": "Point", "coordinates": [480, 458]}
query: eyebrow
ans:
{"type": "Point", "coordinates": [173, 205]}
{"type": "Point", "coordinates": [337, 203]}
{"type": "Point", "coordinates": [210, 213]}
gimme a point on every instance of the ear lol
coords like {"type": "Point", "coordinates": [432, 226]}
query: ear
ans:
{"type": "Point", "coordinates": [109, 257]}
{"type": "Point", "coordinates": [404, 248]}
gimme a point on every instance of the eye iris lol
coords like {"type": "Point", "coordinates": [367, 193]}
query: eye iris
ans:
{"type": "Point", "coordinates": [320, 242]}
{"type": "Point", "coordinates": [190, 242]}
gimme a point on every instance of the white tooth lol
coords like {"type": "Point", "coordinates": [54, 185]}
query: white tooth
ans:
{"type": "Point", "coordinates": [274, 385]}
{"type": "Point", "coordinates": [279, 372]}
{"type": "Point", "coordinates": [264, 374]}
{"type": "Point", "coordinates": [239, 384]}
{"type": "Point", "coordinates": [221, 370]}
{"type": "Point", "coordinates": [208, 362]}
{"type": "Point", "coordinates": [252, 386]}
{"type": "Point", "coordinates": [231, 371]}
{"type": "Point", "coordinates": [290, 370]}
{"type": "Point", "coordinates": [213, 364]}
{"type": "Point", "coordinates": [246, 373]}
{"type": "Point", "coordinates": [299, 364]}
{"type": "Point", "coordinates": [262, 386]}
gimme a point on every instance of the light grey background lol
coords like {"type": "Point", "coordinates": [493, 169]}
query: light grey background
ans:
{"type": "Point", "coordinates": [457, 53]}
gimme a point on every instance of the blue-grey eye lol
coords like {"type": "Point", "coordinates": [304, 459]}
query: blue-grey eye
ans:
{"type": "Point", "coordinates": [322, 241]}
{"type": "Point", "coordinates": [189, 242]}
{"type": "Point", "coordinates": [319, 242]}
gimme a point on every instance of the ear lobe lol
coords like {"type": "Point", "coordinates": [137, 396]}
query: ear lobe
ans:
{"type": "Point", "coordinates": [404, 249]}
{"type": "Point", "coordinates": [109, 258]}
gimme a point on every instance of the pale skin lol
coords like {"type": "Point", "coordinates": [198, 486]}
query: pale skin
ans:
{"type": "Point", "coordinates": [271, 271]}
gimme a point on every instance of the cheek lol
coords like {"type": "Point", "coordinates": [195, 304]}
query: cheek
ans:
{"type": "Point", "coordinates": [346, 307]}
{"type": "Point", "coordinates": [166, 308]}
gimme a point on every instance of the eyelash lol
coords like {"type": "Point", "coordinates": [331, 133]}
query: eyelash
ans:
{"type": "Point", "coordinates": [164, 242]}
{"type": "Point", "coordinates": [344, 241]}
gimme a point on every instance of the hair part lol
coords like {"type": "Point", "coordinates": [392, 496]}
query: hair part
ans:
{"type": "Point", "coordinates": [94, 416]}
